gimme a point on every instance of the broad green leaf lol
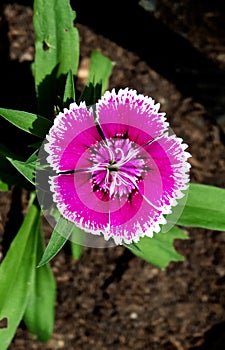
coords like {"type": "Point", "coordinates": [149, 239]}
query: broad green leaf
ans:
{"type": "Point", "coordinates": [16, 275]}
{"type": "Point", "coordinates": [56, 47]}
{"type": "Point", "coordinates": [160, 250]}
{"type": "Point", "coordinates": [98, 79]}
{"type": "Point", "coordinates": [76, 250]}
{"type": "Point", "coordinates": [31, 123]}
{"type": "Point", "coordinates": [205, 207]}
{"type": "Point", "coordinates": [27, 169]}
{"type": "Point", "coordinates": [133, 247]}
{"type": "Point", "coordinates": [69, 93]}
{"type": "Point", "coordinates": [39, 313]}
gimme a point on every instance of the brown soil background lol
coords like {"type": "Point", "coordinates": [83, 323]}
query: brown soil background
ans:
{"type": "Point", "coordinates": [110, 299]}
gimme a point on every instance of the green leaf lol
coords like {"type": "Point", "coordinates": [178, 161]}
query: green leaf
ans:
{"type": "Point", "coordinates": [57, 241]}
{"type": "Point", "coordinates": [76, 250]}
{"type": "Point", "coordinates": [54, 246]}
{"type": "Point", "coordinates": [31, 123]}
{"type": "Point", "coordinates": [100, 70]}
{"type": "Point", "coordinates": [4, 186]}
{"type": "Point", "coordinates": [16, 275]}
{"type": "Point", "coordinates": [69, 93]}
{"type": "Point", "coordinates": [33, 157]}
{"type": "Point", "coordinates": [98, 79]}
{"type": "Point", "coordinates": [9, 171]}
{"type": "Point", "coordinates": [133, 247]}
{"type": "Point", "coordinates": [10, 176]}
{"type": "Point", "coordinates": [205, 207]}
{"type": "Point", "coordinates": [159, 250]}
{"type": "Point", "coordinates": [39, 313]}
{"type": "Point", "coordinates": [56, 47]}
{"type": "Point", "coordinates": [27, 169]}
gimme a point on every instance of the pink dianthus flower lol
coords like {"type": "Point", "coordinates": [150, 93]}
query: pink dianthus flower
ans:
{"type": "Point", "coordinates": [118, 168]}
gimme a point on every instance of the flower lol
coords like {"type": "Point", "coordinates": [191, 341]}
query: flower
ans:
{"type": "Point", "coordinates": [118, 168]}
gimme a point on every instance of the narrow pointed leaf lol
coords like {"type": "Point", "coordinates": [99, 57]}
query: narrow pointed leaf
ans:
{"type": "Point", "coordinates": [54, 246]}
{"type": "Point", "coordinates": [160, 250]}
{"type": "Point", "coordinates": [26, 169]}
{"type": "Point", "coordinates": [76, 250]}
{"type": "Point", "coordinates": [31, 123]}
{"type": "Point", "coordinates": [57, 240]}
{"type": "Point", "coordinates": [100, 70]}
{"type": "Point", "coordinates": [98, 79]}
{"type": "Point", "coordinates": [39, 313]}
{"type": "Point", "coordinates": [63, 230]}
{"type": "Point", "coordinates": [205, 207]}
{"type": "Point", "coordinates": [10, 176]}
{"type": "Point", "coordinates": [33, 157]}
{"type": "Point", "coordinates": [69, 93]}
{"type": "Point", "coordinates": [16, 275]}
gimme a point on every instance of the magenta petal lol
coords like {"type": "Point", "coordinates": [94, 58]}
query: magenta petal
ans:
{"type": "Point", "coordinates": [141, 220]}
{"type": "Point", "coordinates": [127, 111]}
{"type": "Point", "coordinates": [94, 212]}
{"type": "Point", "coordinates": [169, 174]}
{"type": "Point", "coordinates": [72, 133]}
{"type": "Point", "coordinates": [121, 220]}
{"type": "Point", "coordinates": [80, 208]}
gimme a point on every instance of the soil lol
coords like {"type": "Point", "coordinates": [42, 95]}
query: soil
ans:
{"type": "Point", "coordinates": [173, 51]}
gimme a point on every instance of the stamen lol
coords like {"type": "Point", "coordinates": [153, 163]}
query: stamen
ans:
{"type": "Point", "coordinates": [117, 179]}
{"type": "Point", "coordinates": [121, 151]}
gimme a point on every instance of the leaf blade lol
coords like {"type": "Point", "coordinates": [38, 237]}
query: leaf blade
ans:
{"type": "Point", "coordinates": [57, 50]}
{"type": "Point", "coordinates": [69, 92]}
{"type": "Point", "coordinates": [159, 250]}
{"type": "Point", "coordinates": [205, 207]}
{"type": "Point", "coordinates": [59, 238]}
{"type": "Point", "coordinates": [19, 261]}
{"type": "Point", "coordinates": [31, 123]}
{"type": "Point", "coordinates": [39, 313]}
{"type": "Point", "coordinates": [57, 241]}
{"type": "Point", "coordinates": [4, 186]}
{"type": "Point", "coordinates": [98, 78]}
{"type": "Point", "coordinates": [76, 250]}
{"type": "Point", "coordinates": [27, 169]}
{"type": "Point", "coordinates": [100, 70]}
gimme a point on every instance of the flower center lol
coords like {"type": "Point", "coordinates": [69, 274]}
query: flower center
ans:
{"type": "Point", "coordinates": [118, 165]}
